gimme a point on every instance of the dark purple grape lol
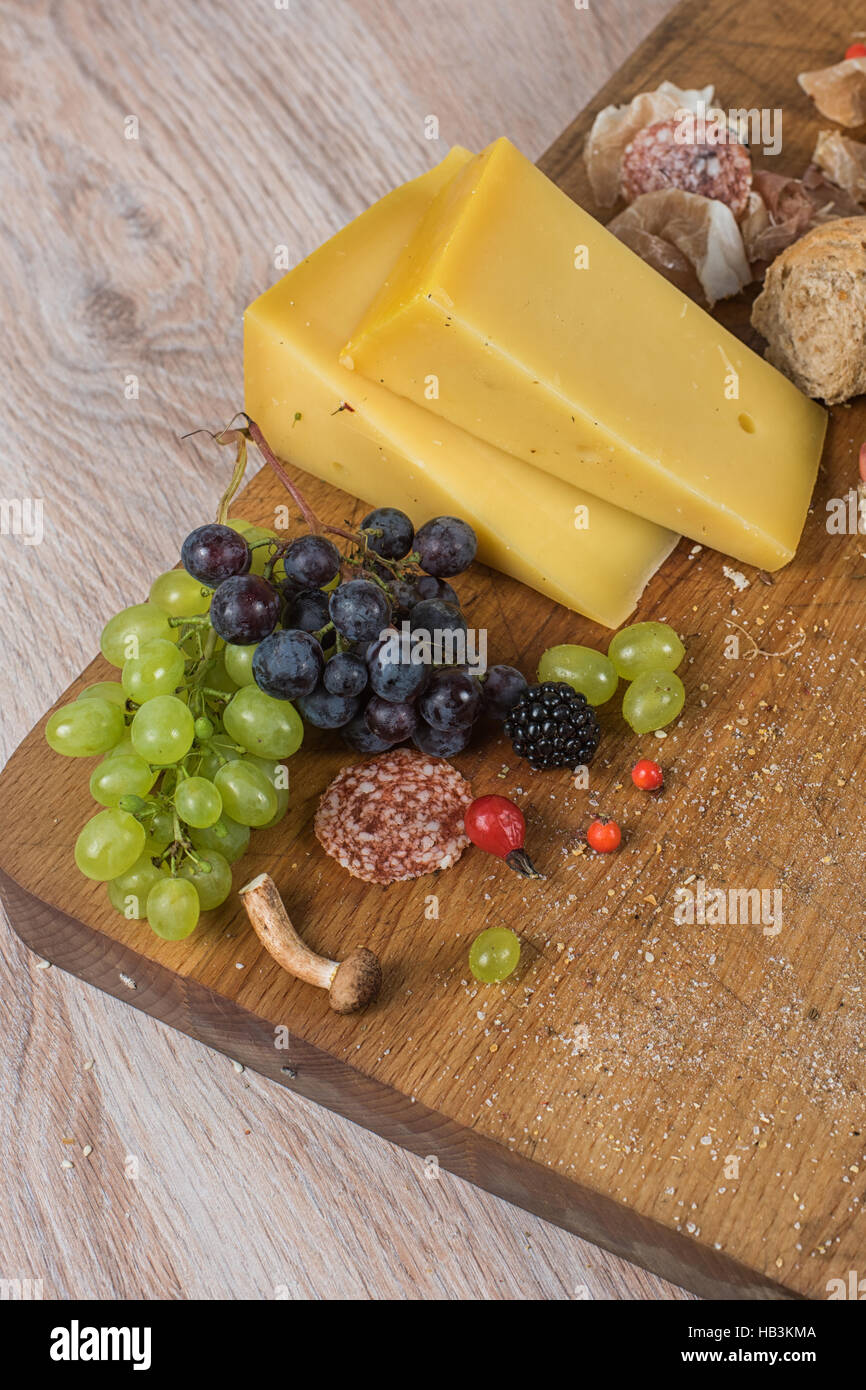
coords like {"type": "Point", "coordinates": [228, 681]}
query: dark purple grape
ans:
{"type": "Point", "coordinates": [326, 710]}
{"type": "Point", "coordinates": [445, 546]}
{"type": "Point", "coordinates": [214, 553]}
{"type": "Point", "coordinates": [428, 586]}
{"type": "Point", "coordinates": [307, 609]}
{"type": "Point", "coordinates": [451, 700]}
{"type": "Point", "coordinates": [441, 743]}
{"type": "Point", "coordinates": [311, 561]}
{"type": "Point", "coordinates": [395, 529]}
{"type": "Point", "coordinates": [345, 674]}
{"type": "Point", "coordinates": [288, 664]}
{"type": "Point", "coordinates": [436, 615]}
{"type": "Point", "coordinates": [359, 610]}
{"type": "Point", "coordinates": [404, 594]}
{"type": "Point", "coordinates": [389, 720]}
{"type": "Point", "coordinates": [502, 687]}
{"type": "Point", "coordinates": [244, 610]}
{"type": "Point", "coordinates": [394, 680]}
{"type": "Point", "coordinates": [358, 734]}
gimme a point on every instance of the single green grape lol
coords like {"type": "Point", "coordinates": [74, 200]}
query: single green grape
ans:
{"type": "Point", "coordinates": [270, 728]}
{"type": "Point", "coordinates": [179, 595]}
{"type": "Point", "coordinates": [583, 668]}
{"type": "Point", "coordinates": [219, 678]}
{"type": "Point", "coordinates": [248, 796]}
{"type": "Point", "coordinates": [219, 750]}
{"type": "Point", "coordinates": [214, 887]}
{"type": "Point", "coordinates": [173, 908]}
{"type": "Point", "coordinates": [278, 776]}
{"type": "Point", "coordinates": [198, 802]}
{"type": "Point", "coordinates": [227, 837]}
{"type": "Point", "coordinates": [494, 955]}
{"type": "Point", "coordinates": [128, 893]}
{"type": "Point", "coordinates": [652, 700]}
{"type": "Point", "coordinates": [645, 647]}
{"type": "Point", "coordinates": [123, 747]}
{"type": "Point", "coordinates": [160, 832]}
{"type": "Point", "coordinates": [112, 691]}
{"type": "Point", "coordinates": [124, 635]}
{"type": "Point", "coordinates": [157, 670]}
{"type": "Point", "coordinates": [85, 728]}
{"type": "Point", "coordinates": [239, 663]}
{"type": "Point", "coordinates": [163, 730]}
{"type": "Point", "coordinates": [253, 534]}
{"type": "Point", "coordinates": [120, 776]}
{"type": "Point", "coordinates": [109, 844]}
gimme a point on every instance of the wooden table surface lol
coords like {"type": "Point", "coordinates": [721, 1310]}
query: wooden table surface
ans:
{"type": "Point", "coordinates": [155, 158]}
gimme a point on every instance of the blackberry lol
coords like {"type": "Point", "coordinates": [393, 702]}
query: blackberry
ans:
{"type": "Point", "coordinates": [552, 725]}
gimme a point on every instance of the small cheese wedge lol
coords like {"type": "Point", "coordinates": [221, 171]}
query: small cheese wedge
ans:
{"type": "Point", "coordinates": [517, 316]}
{"type": "Point", "coordinates": [577, 549]}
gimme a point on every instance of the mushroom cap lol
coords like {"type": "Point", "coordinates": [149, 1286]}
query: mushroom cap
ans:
{"type": "Point", "coordinates": [356, 983]}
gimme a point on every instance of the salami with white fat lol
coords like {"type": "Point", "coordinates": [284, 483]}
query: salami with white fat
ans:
{"type": "Point", "coordinates": [659, 157]}
{"type": "Point", "coordinates": [396, 816]}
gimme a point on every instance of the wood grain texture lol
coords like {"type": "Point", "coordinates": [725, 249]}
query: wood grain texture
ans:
{"type": "Point", "coordinates": [136, 258]}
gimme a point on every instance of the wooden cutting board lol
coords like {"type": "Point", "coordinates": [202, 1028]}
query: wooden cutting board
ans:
{"type": "Point", "coordinates": [689, 1096]}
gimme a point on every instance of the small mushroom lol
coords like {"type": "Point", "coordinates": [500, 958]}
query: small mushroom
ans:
{"type": "Point", "coordinates": [352, 984]}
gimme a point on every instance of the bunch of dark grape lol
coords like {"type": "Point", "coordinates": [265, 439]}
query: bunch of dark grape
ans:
{"type": "Point", "coordinates": [323, 629]}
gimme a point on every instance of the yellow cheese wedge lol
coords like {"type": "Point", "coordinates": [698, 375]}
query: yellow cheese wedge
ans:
{"type": "Point", "coordinates": [577, 549]}
{"type": "Point", "coordinates": [517, 316]}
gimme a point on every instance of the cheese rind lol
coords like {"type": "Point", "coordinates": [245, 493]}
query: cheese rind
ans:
{"type": "Point", "coordinates": [547, 337]}
{"type": "Point", "coordinates": [388, 451]}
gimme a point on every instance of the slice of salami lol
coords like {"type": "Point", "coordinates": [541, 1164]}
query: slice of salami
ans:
{"type": "Point", "coordinates": [396, 816]}
{"type": "Point", "coordinates": [664, 156]}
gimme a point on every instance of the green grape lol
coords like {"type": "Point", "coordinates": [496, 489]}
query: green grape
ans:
{"type": "Point", "coordinates": [227, 837]}
{"type": "Point", "coordinates": [163, 730]}
{"type": "Point", "coordinates": [120, 776]}
{"type": "Point", "coordinates": [219, 750]}
{"type": "Point", "coordinates": [128, 893]}
{"type": "Point", "coordinates": [123, 747]}
{"type": "Point", "coordinates": [125, 633]}
{"type": "Point", "coordinates": [652, 700]}
{"type": "Point", "coordinates": [204, 728]}
{"type": "Point", "coordinates": [494, 954]}
{"type": "Point", "coordinates": [219, 678]}
{"type": "Point", "coordinates": [173, 908]}
{"type": "Point", "coordinates": [583, 668]}
{"type": "Point", "coordinates": [253, 534]}
{"type": "Point", "coordinates": [85, 728]}
{"type": "Point", "coordinates": [239, 663]}
{"type": "Point", "coordinates": [109, 844]}
{"type": "Point", "coordinates": [157, 670]}
{"type": "Point", "coordinates": [179, 595]}
{"type": "Point", "coordinates": [213, 888]}
{"type": "Point", "coordinates": [112, 691]}
{"type": "Point", "coordinates": [160, 832]}
{"type": "Point", "coordinates": [278, 776]}
{"type": "Point", "coordinates": [645, 647]}
{"type": "Point", "coordinates": [270, 728]}
{"type": "Point", "coordinates": [198, 802]}
{"type": "Point", "coordinates": [247, 794]}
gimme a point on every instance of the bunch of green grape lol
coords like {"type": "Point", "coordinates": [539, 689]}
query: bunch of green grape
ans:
{"type": "Point", "coordinates": [191, 757]}
{"type": "Point", "coordinates": [644, 654]}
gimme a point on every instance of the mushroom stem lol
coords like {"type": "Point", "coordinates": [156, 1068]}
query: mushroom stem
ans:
{"type": "Point", "coordinates": [351, 984]}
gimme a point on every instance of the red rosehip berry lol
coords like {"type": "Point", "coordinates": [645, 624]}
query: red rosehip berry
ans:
{"type": "Point", "coordinates": [604, 836]}
{"type": "Point", "coordinates": [647, 775]}
{"type": "Point", "coordinates": [856, 50]}
{"type": "Point", "coordinates": [496, 825]}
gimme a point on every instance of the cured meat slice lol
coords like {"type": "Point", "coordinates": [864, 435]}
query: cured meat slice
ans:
{"type": "Point", "coordinates": [394, 817]}
{"type": "Point", "coordinates": [663, 155]}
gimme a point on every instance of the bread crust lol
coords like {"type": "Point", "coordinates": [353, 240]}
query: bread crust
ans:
{"type": "Point", "coordinates": [812, 311]}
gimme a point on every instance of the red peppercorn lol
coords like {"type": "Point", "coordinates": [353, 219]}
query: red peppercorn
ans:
{"type": "Point", "coordinates": [856, 50]}
{"type": "Point", "coordinates": [496, 825]}
{"type": "Point", "coordinates": [647, 775]}
{"type": "Point", "coordinates": [604, 836]}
